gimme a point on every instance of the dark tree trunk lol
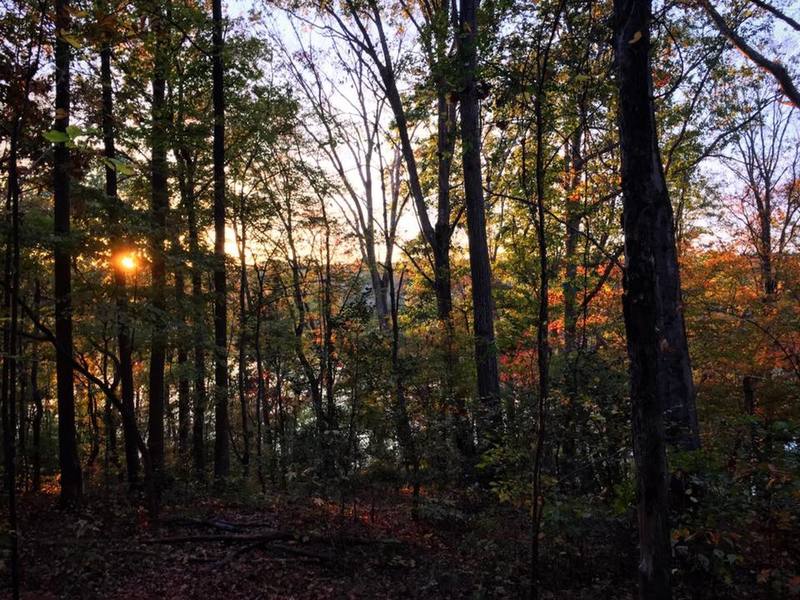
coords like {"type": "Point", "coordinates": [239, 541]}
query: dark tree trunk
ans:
{"type": "Point", "coordinates": [38, 405]}
{"type": "Point", "coordinates": [264, 375]}
{"type": "Point", "coordinates": [327, 324]}
{"type": "Point", "coordinates": [489, 417]}
{"type": "Point", "coordinates": [71, 479]}
{"type": "Point", "coordinates": [183, 360]}
{"type": "Point", "coordinates": [660, 378]}
{"type": "Point", "coordinates": [314, 387]}
{"type": "Point", "coordinates": [110, 422]}
{"type": "Point", "coordinates": [22, 395]}
{"type": "Point", "coordinates": [222, 461]}
{"type": "Point", "coordinates": [124, 341]}
{"type": "Point", "coordinates": [748, 388]}
{"type": "Point", "coordinates": [198, 311]}
{"type": "Point", "coordinates": [542, 335]}
{"type": "Point", "coordinates": [262, 406]}
{"type": "Point", "coordinates": [570, 288]}
{"type": "Point", "coordinates": [282, 438]}
{"type": "Point", "coordinates": [572, 235]}
{"type": "Point", "coordinates": [10, 349]}
{"type": "Point", "coordinates": [647, 187]}
{"type": "Point", "coordinates": [94, 448]}
{"type": "Point", "coordinates": [765, 235]}
{"type": "Point", "coordinates": [405, 436]}
{"type": "Point", "coordinates": [446, 126]}
{"type": "Point", "coordinates": [445, 144]}
{"type": "Point", "coordinates": [200, 395]}
{"type": "Point", "coordinates": [242, 375]}
{"type": "Point", "coordinates": [159, 208]}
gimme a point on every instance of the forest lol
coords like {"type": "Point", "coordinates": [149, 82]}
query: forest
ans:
{"type": "Point", "coordinates": [400, 299]}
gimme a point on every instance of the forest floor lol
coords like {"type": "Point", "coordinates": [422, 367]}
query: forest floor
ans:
{"type": "Point", "coordinates": [282, 547]}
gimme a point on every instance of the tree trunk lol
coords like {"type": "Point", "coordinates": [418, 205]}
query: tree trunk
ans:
{"type": "Point", "coordinates": [765, 234]}
{"type": "Point", "coordinates": [489, 417]}
{"type": "Point", "coordinates": [94, 448]}
{"type": "Point", "coordinates": [312, 379]}
{"type": "Point", "coordinates": [124, 341]}
{"type": "Point", "coordinates": [222, 463]}
{"type": "Point", "coordinates": [446, 126]}
{"type": "Point", "coordinates": [572, 235]}
{"type": "Point", "coordinates": [282, 438]}
{"type": "Point", "coordinates": [198, 311]}
{"type": "Point", "coordinates": [327, 324]}
{"type": "Point", "coordinates": [159, 209]}
{"type": "Point", "coordinates": [405, 436]}
{"type": "Point", "coordinates": [542, 328]}
{"type": "Point", "coordinates": [242, 378]}
{"type": "Point", "coordinates": [183, 360]}
{"type": "Point", "coordinates": [647, 208]}
{"type": "Point", "coordinates": [10, 349]}
{"type": "Point", "coordinates": [262, 405]}
{"type": "Point", "coordinates": [38, 405]}
{"type": "Point", "coordinates": [651, 302]}
{"type": "Point", "coordinates": [71, 479]}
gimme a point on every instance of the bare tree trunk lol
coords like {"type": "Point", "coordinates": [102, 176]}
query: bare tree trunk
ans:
{"type": "Point", "coordinates": [38, 406]}
{"type": "Point", "coordinates": [94, 448]}
{"type": "Point", "coordinates": [22, 395]}
{"type": "Point", "coordinates": [327, 323]}
{"type": "Point", "coordinates": [652, 292]}
{"type": "Point", "coordinates": [572, 235]}
{"type": "Point", "coordinates": [183, 361]}
{"type": "Point", "coordinates": [489, 418]}
{"type": "Point", "coordinates": [446, 126]}
{"type": "Point", "coordinates": [10, 345]}
{"type": "Point", "coordinates": [124, 341]}
{"type": "Point", "coordinates": [263, 408]}
{"type": "Point", "coordinates": [71, 478]}
{"type": "Point", "coordinates": [222, 460]}
{"type": "Point", "coordinates": [284, 459]}
{"type": "Point", "coordinates": [159, 209]}
{"type": "Point", "coordinates": [445, 144]}
{"type": "Point", "coordinates": [765, 234]}
{"type": "Point", "coordinates": [542, 336]}
{"type": "Point", "coordinates": [405, 436]}
{"type": "Point", "coordinates": [647, 208]}
{"type": "Point", "coordinates": [198, 320]}
{"type": "Point", "coordinates": [242, 379]}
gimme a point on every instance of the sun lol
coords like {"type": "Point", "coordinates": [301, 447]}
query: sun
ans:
{"type": "Point", "coordinates": [128, 262]}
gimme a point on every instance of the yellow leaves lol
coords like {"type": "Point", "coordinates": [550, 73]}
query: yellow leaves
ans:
{"type": "Point", "coordinates": [636, 37]}
{"type": "Point", "coordinates": [72, 39]}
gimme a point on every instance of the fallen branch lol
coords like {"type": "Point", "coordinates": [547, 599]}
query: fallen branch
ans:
{"type": "Point", "coordinates": [323, 556]}
{"type": "Point", "coordinates": [272, 536]}
{"type": "Point", "coordinates": [227, 539]}
{"type": "Point", "coordinates": [212, 523]}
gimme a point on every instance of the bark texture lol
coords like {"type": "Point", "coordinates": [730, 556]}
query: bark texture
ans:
{"type": "Point", "coordinates": [71, 481]}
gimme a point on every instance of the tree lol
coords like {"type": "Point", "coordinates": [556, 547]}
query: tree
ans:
{"type": "Point", "coordinates": [767, 206]}
{"type": "Point", "coordinates": [221, 441]}
{"type": "Point", "coordinates": [71, 484]}
{"type": "Point", "coordinates": [120, 250]}
{"type": "Point", "coordinates": [660, 377]}
{"type": "Point", "coordinates": [779, 72]}
{"type": "Point", "coordinates": [159, 207]}
{"type": "Point", "coordinates": [489, 417]}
